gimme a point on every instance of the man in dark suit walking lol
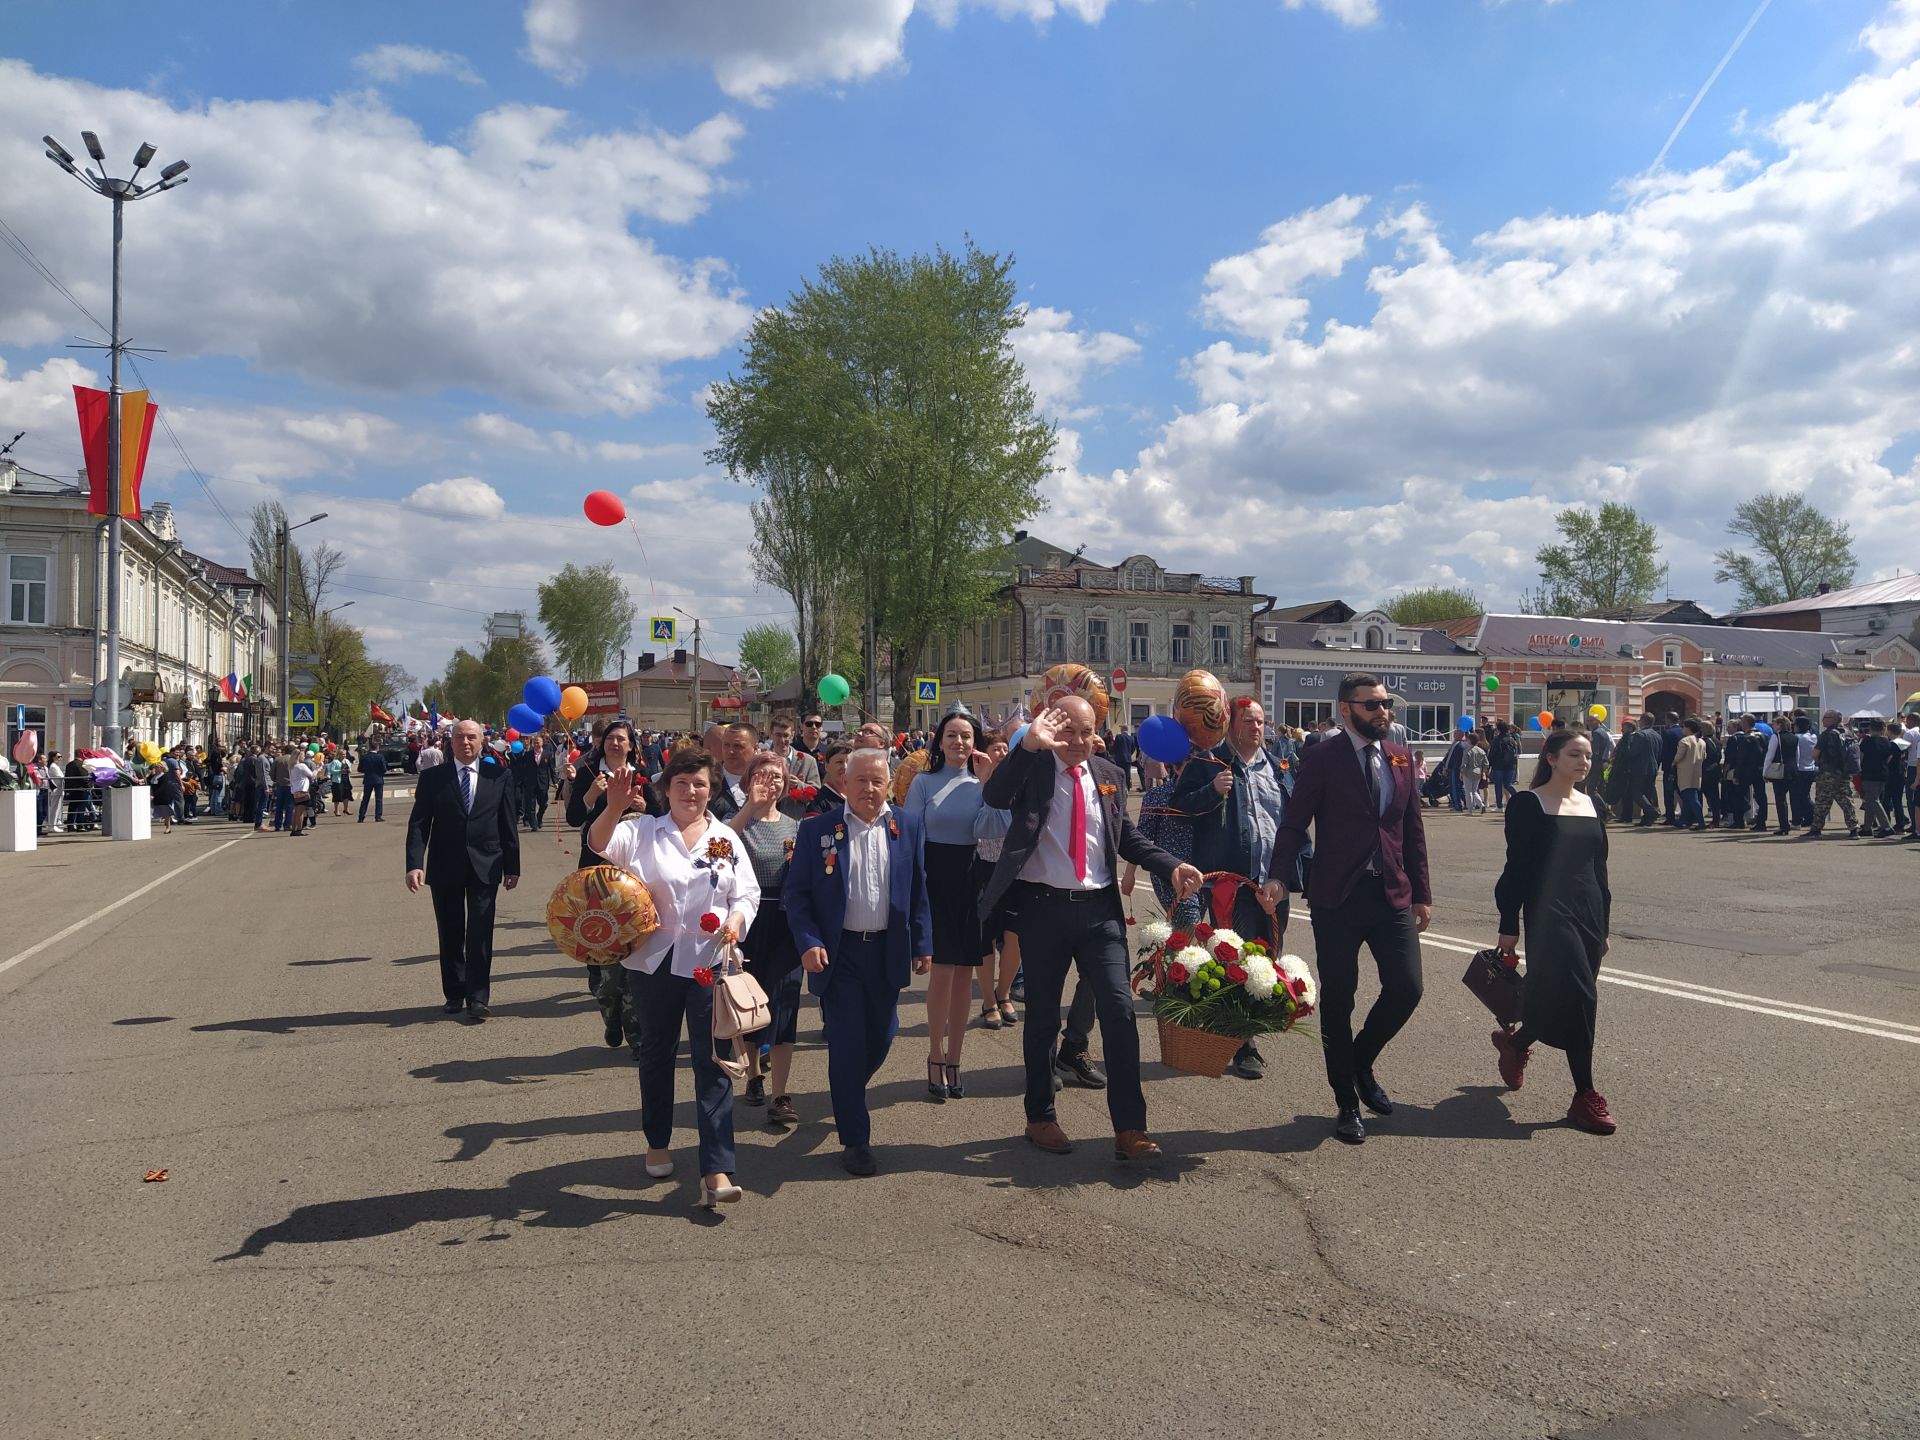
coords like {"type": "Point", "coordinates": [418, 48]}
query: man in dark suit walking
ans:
{"type": "Point", "coordinates": [856, 900]}
{"type": "Point", "coordinates": [373, 783]}
{"type": "Point", "coordinates": [1368, 886]}
{"type": "Point", "coordinates": [1060, 865]}
{"type": "Point", "coordinates": [463, 844]}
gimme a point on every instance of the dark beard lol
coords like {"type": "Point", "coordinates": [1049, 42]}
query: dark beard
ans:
{"type": "Point", "coordinates": [1370, 728]}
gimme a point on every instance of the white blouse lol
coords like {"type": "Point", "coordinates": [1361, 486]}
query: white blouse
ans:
{"type": "Point", "coordinates": [717, 879]}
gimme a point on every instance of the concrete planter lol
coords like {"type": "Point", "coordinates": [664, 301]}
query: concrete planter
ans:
{"type": "Point", "coordinates": [19, 820]}
{"type": "Point", "coordinates": [130, 813]}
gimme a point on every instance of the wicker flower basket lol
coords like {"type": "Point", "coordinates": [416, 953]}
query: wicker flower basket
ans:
{"type": "Point", "coordinates": [1196, 1052]}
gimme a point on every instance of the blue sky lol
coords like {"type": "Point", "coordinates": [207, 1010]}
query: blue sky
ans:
{"type": "Point", "coordinates": [400, 290]}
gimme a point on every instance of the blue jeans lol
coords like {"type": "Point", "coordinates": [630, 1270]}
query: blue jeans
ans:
{"type": "Point", "coordinates": [1505, 782]}
{"type": "Point", "coordinates": [662, 1001]}
{"type": "Point", "coordinates": [283, 807]}
{"type": "Point", "coordinates": [1457, 784]}
{"type": "Point", "coordinates": [1690, 808]}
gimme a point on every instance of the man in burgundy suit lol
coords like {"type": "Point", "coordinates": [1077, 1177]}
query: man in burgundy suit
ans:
{"type": "Point", "coordinates": [1369, 886]}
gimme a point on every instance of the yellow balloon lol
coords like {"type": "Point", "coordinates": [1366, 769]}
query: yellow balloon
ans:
{"type": "Point", "coordinates": [573, 702]}
{"type": "Point", "coordinates": [150, 752]}
{"type": "Point", "coordinates": [1598, 712]}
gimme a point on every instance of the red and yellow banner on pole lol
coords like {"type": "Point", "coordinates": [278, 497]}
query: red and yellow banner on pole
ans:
{"type": "Point", "coordinates": [136, 433]}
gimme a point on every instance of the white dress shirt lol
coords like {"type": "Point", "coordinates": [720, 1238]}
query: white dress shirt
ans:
{"type": "Point", "coordinates": [866, 855]}
{"type": "Point", "coordinates": [472, 783]}
{"type": "Point", "coordinates": [1052, 860]}
{"type": "Point", "coordinates": [684, 888]}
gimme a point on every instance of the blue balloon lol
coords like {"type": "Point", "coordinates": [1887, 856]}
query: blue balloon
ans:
{"type": "Point", "coordinates": [542, 694]}
{"type": "Point", "coordinates": [1533, 722]}
{"type": "Point", "coordinates": [517, 746]}
{"type": "Point", "coordinates": [1763, 727]}
{"type": "Point", "coordinates": [525, 717]}
{"type": "Point", "coordinates": [1018, 736]}
{"type": "Point", "coordinates": [1466, 725]}
{"type": "Point", "coordinates": [1163, 739]}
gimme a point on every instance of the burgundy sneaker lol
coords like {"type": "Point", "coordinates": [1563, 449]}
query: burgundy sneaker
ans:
{"type": "Point", "coordinates": [1513, 1059]}
{"type": "Point", "coordinates": [1589, 1112]}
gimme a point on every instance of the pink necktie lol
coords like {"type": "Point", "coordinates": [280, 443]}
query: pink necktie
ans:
{"type": "Point", "coordinates": [1077, 839]}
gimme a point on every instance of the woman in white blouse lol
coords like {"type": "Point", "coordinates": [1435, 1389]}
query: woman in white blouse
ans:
{"type": "Point", "coordinates": [706, 896]}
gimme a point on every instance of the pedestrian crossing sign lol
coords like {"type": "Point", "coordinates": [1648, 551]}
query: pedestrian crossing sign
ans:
{"type": "Point", "coordinates": [303, 714]}
{"type": "Point", "coordinates": [926, 691]}
{"type": "Point", "coordinates": [663, 629]}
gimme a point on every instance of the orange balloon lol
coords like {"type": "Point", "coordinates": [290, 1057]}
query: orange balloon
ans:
{"type": "Point", "coordinates": [1546, 719]}
{"type": "Point", "coordinates": [573, 702]}
{"type": "Point", "coordinates": [1200, 705]}
{"type": "Point", "coordinates": [1070, 678]}
{"type": "Point", "coordinates": [598, 914]}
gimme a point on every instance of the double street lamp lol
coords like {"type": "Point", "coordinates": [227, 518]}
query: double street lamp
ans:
{"type": "Point", "coordinates": [119, 192]}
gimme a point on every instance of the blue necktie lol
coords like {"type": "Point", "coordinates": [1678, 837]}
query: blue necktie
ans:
{"type": "Point", "coordinates": [466, 789]}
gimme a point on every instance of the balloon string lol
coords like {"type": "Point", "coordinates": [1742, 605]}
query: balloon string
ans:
{"type": "Point", "coordinates": [651, 593]}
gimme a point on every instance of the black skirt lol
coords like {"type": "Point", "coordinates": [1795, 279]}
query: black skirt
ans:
{"type": "Point", "coordinates": [954, 882]}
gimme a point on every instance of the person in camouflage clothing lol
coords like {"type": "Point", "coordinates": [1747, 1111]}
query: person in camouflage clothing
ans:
{"type": "Point", "coordinates": [1833, 776]}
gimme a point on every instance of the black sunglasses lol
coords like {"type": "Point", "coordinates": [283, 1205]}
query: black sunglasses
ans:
{"type": "Point", "coordinates": [1371, 704]}
{"type": "Point", "coordinates": [813, 724]}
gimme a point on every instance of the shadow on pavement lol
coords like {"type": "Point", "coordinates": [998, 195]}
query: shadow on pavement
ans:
{"type": "Point", "coordinates": [397, 1019]}
{"type": "Point", "coordinates": [337, 960]}
{"type": "Point", "coordinates": [525, 1069]}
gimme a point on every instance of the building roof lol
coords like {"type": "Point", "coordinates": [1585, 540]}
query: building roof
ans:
{"type": "Point", "coordinates": [1900, 590]}
{"type": "Point", "coordinates": [1298, 635]}
{"type": "Point", "coordinates": [226, 574]}
{"type": "Point", "coordinates": [1666, 612]}
{"type": "Point", "coordinates": [22, 481]}
{"type": "Point", "coordinates": [1319, 612]}
{"type": "Point", "coordinates": [1515, 635]}
{"type": "Point", "coordinates": [1038, 554]}
{"type": "Point", "coordinates": [677, 669]}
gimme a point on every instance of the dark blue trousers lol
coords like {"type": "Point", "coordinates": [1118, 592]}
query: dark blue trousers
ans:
{"type": "Point", "coordinates": [663, 1001]}
{"type": "Point", "coordinates": [860, 1008]}
{"type": "Point", "coordinates": [374, 788]}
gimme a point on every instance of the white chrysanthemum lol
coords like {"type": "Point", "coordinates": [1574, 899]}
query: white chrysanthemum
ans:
{"type": "Point", "coordinates": [1294, 968]}
{"type": "Point", "coordinates": [1261, 977]}
{"type": "Point", "coordinates": [1193, 957]}
{"type": "Point", "coordinates": [1154, 934]}
{"type": "Point", "coordinates": [1231, 937]}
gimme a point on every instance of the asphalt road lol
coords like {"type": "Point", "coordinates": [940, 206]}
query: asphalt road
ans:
{"type": "Point", "coordinates": [382, 1221]}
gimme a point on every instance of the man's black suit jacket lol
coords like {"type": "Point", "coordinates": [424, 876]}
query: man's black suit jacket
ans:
{"type": "Point", "coordinates": [453, 846]}
{"type": "Point", "coordinates": [1023, 785]}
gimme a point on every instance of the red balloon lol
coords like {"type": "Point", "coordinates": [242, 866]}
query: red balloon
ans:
{"type": "Point", "coordinates": [603, 507]}
{"type": "Point", "coordinates": [512, 734]}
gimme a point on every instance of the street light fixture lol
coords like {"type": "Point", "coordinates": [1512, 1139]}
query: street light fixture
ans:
{"type": "Point", "coordinates": [696, 664]}
{"type": "Point", "coordinates": [119, 192]}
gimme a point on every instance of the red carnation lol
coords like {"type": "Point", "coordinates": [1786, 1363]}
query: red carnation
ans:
{"type": "Point", "coordinates": [1225, 953]}
{"type": "Point", "coordinates": [1177, 973]}
{"type": "Point", "coordinates": [1297, 987]}
{"type": "Point", "coordinates": [1236, 975]}
{"type": "Point", "coordinates": [702, 975]}
{"type": "Point", "coordinates": [1179, 940]}
{"type": "Point", "coordinates": [1510, 960]}
{"type": "Point", "coordinates": [710, 922]}
{"type": "Point", "coordinates": [1204, 931]}
{"type": "Point", "coordinates": [1131, 920]}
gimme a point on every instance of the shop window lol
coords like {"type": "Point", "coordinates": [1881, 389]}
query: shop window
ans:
{"type": "Point", "coordinates": [1526, 700]}
{"type": "Point", "coordinates": [36, 721]}
{"type": "Point", "coordinates": [1304, 714]}
{"type": "Point", "coordinates": [1428, 722]}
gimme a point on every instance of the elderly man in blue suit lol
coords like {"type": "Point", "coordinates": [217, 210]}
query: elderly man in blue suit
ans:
{"type": "Point", "coordinates": [856, 898]}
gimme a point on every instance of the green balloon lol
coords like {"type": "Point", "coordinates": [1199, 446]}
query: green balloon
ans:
{"type": "Point", "coordinates": [1492, 682]}
{"type": "Point", "coordinates": [834, 689]}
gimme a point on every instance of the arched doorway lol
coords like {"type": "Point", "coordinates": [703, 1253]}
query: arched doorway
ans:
{"type": "Point", "coordinates": [1669, 706]}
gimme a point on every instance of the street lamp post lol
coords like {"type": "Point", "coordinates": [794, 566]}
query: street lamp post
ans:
{"type": "Point", "coordinates": [119, 192]}
{"type": "Point", "coordinates": [696, 666]}
{"type": "Point", "coordinates": [286, 619]}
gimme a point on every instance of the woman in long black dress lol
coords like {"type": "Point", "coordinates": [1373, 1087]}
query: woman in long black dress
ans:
{"type": "Point", "coordinates": [586, 799]}
{"type": "Point", "coordinates": [1557, 876]}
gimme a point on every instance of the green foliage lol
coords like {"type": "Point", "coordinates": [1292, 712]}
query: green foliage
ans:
{"type": "Point", "coordinates": [588, 616]}
{"type": "Point", "coordinates": [485, 686]}
{"type": "Point", "coordinates": [1798, 549]}
{"type": "Point", "coordinates": [773, 651]}
{"type": "Point", "coordinates": [1606, 560]}
{"type": "Point", "coordinates": [1435, 602]}
{"type": "Point", "coordinates": [891, 430]}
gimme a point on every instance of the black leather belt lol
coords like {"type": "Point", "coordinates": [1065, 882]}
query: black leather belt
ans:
{"type": "Point", "coordinates": [1035, 890]}
{"type": "Point", "coordinates": [868, 935]}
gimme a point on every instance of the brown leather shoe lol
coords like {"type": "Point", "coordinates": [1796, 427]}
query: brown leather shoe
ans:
{"type": "Point", "coordinates": [1048, 1135]}
{"type": "Point", "coordinates": [1133, 1147]}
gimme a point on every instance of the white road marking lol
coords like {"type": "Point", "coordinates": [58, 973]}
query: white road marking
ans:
{"type": "Point", "coordinates": [106, 910]}
{"type": "Point", "coordinates": [1709, 995]}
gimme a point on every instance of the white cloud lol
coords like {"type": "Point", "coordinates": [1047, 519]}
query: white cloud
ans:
{"type": "Point", "coordinates": [388, 63]}
{"type": "Point", "coordinates": [757, 47]}
{"type": "Point", "coordinates": [1743, 326]}
{"type": "Point", "coordinates": [1057, 358]}
{"type": "Point", "coordinates": [272, 444]}
{"type": "Point", "coordinates": [333, 241]}
{"type": "Point", "coordinates": [463, 497]}
{"type": "Point", "coordinates": [505, 433]}
{"type": "Point", "coordinates": [1347, 12]}
{"type": "Point", "coordinates": [1895, 36]}
{"type": "Point", "coordinates": [40, 402]}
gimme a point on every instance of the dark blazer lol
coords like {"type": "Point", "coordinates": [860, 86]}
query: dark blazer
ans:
{"type": "Point", "coordinates": [1022, 785]}
{"type": "Point", "coordinates": [1332, 797]}
{"type": "Point", "coordinates": [455, 847]}
{"type": "Point", "coordinates": [816, 902]}
{"type": "Point", "coordinates": [373, 765]}
{"type": "Point", "coordinates": [1223, 829]}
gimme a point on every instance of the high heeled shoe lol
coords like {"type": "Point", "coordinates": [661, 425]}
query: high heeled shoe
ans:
{"type": "Point", "coordinates": [953, 1082]}
{"type": "Point", "coordinates": [660, 1171]}
{"type": "Point", "coordinates": [936, 1082]}
{"type": "Point", "coordinates": [712, 1196]}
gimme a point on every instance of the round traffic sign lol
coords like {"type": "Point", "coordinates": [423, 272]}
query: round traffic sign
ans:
{"type": "Point", "coordinates": [1119, 681]}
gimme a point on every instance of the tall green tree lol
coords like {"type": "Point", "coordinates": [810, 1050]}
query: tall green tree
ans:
{"type": "Point", "coordinates": [587, 615]}
{"type": "Point", "coordinates": [773, 651]}
{"type": "Point", "coordinates": [1433, 602]}
{"type": "Point", "coordinates": [1795, 550]}
{"type": "Point", "coordinates": [484, 687]}
{"type": "Point", "coordinates": [893, 434]}
{"type": "Point", "coordinates": [1606, 560]}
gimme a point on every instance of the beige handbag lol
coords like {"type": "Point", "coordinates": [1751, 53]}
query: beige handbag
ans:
{"type": "Point", "coordinates": [740, 1007]}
